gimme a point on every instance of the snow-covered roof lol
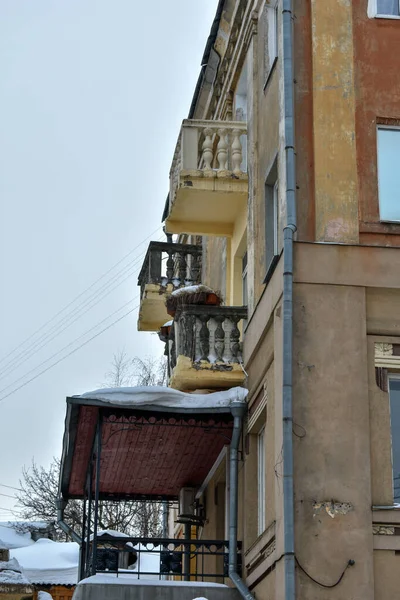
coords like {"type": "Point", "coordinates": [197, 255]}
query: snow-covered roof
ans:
{"type": "Point", "coordinates": [165, 397]}
{"type": "Point", "coordinates": [11, 573]}
{"type": "Point", "coordinates": [49, 562]}
{"type": "Point", "coordinates": [110, 532]}
{"type": "Point", "coordinates": [127, 579]}
{"type": "Point", "coordinates": [11, 538]}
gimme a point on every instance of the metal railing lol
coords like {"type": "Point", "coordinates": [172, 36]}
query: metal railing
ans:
{"type": "Point", "coordinates": [168, 263]}
{"type": "Point", "coordinates": [160, 558]}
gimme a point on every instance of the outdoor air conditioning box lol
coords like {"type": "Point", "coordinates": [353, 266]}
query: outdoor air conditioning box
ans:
{"type": "Point", "coordinates": [186, 501]}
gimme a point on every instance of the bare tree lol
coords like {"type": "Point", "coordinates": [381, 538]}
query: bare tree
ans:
{"type": "Point", "coordinates": [39, 486]}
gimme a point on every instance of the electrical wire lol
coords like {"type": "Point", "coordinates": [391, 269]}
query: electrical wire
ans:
{"type": "Point", "coordinates": [11, 487]}
{"type": "Point", "coordinates": [350, 563]}
{"type": "Point", "coordinates": [67, 346]}
{"type": "Point", "coordinates": [68, 320]}
{"type": "Point", "coordinates": [5, 357]}
{"type": "Point", "coordinates": [69, 354]}
{"type": "Point", "coordinates": [49, 338]}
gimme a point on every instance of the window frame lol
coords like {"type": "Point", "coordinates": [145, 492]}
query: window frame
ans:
{"type": "Point", "coordinates": [261, 479]}
{"type": "Point", "coordinates": [271, 32]}
{"type": "Point", "coordinates": [271, 191]}
{"type": "Point", "coordinates": [373, 11]}
{"type": "Point", "coordinates": [387, 128]}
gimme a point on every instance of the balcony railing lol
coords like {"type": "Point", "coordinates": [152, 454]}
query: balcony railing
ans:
{"type": "Point", "coordinates": [167, 263]}
{"type": "Point", "coordinates": [210, 157]}
{"type": "Point", "coordinates": [160, 558]}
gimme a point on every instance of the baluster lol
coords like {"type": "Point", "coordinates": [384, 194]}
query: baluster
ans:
{"type": "Point", "coordinates": [182, 268]}
{"type": "Point", "coordinates": [207, 148]}
{"type": "Point", "coordinates": [196, 266]}
{"type": "Point", "coordinates": [222, 151]}
{"type": "Point", "coordinates": [170, 266]}
{"type": "Point", "coordinates": [234, 339]}
{"type": "Point", "coordinates": [237, 155]}
{"type": "Point", "coordinates": [219, 344]}
{"type": "Point", "coordinates": [204, 337]}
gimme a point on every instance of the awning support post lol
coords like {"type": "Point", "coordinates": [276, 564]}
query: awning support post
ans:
{"type": "Point", "coordinates": [96, 493]}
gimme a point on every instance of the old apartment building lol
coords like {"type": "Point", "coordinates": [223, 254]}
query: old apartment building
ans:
{"type": "Point", "coordinates": [281, 275]}
{"type": "Point", "coordinates": [288, 168]}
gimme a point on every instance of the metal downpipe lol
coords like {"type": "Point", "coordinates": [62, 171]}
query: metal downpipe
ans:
{"type": "Point", "coordinates": [238, 412]}
{"type": "Point", "coordinates": [61, 504]}
{"type": "Point", "coordinates": [288, 237]}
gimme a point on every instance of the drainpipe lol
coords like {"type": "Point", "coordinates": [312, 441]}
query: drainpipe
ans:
{"type": "Point", "coordinates": [288, 236]}
{"type": "Point", "coordinates": [61, 504]}
{"type": "Point", "coordinates": [238, 411]}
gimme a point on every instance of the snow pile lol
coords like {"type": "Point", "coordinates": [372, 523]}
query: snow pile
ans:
{"type": "Point", "coordinates": [135, 397]}
{"type": "Point", "coordinates": [110, 532]}
{"type": "Point", "coordinates": [11, 538]}
{"type": "Point", "coordinates": [11, 573]}
{"type": "Point", "coordinates": [44, 596]}
{"type": "Point", "coordinates": [192, 289]}
{"type": "Point", "coordinates": [127, 579]}
{"type": "Point", "coordinates": [48, 562]}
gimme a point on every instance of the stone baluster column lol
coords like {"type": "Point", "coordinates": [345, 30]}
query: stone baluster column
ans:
{"type": "Point", "coordinates": [222, 150]}
{"type": "Point", "coordinates": [196, 267]}
{"type": "Point", "coordinates": [235, 339]}
{"type": "Point", "coordinates": [204, 337]}
{"type": "Point", "coordinates": [207, 148]}
{"type": "Point", "coordinates": [237, 154]}
{"type": "Point", "coordinates": [219, 336]}
{"type": "Point", "coordinates": [182, 268]}
{"type": "Point", "coordinates": [170, 266]}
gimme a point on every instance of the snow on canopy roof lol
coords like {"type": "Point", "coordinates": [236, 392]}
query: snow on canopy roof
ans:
{"type": "Point", "coordinates": [110, 532]}
{"type": "Point", "coordinates": [48, 562]}
{"type": "Point", "coordinates": [11, 573]}
{"type": "Point", "coordinates": [165, 397]}
{"type": "Point", "coordinates": [127, 579]}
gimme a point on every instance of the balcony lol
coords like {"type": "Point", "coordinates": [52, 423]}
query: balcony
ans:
{"type": "Point", "coordinates": [208, 178]}
{"type": "Point", "coordinates": [204, 347]}
{"type": "Point", "coordinates": [166, 267]}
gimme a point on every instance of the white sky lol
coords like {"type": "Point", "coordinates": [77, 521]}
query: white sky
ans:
{"type": "Point", "coordinates": [92, 93]}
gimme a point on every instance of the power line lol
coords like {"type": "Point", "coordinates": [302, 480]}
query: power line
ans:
{"type": "Point", "coordinates": [77, 297]}
{"type": "Point", "coordinates": [89, 303]}
{"type": "Point", "coordinates": [67, 321]}
{"type": "Point", "coordinates": [67, 346]}
{"type": "Point", "coordinates": [69, 354]}
{"type": "Point", "coordinates": [11, 487]}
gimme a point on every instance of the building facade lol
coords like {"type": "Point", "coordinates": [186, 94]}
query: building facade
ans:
{"type": "Point", "coordinates": [324, 101]}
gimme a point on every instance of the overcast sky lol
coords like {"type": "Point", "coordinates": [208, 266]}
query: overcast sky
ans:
{"type": "Point", "coordinates": [92, 93]}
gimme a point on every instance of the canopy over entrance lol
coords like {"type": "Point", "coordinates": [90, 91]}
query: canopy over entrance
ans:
{"type": "Point", "coordinates": [152, 441]}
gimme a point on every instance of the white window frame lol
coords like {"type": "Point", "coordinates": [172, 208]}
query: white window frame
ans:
{"type": "Point", "coordinates": [390, 128]}
{"type": "Point", "coordinates": [373, 11]}
{"type": "Point", "coordinates": [261, 480]}
{"type": "Point", "coordinates": [271, 46]}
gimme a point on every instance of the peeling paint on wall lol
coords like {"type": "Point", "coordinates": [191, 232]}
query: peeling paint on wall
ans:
{"type": "Point", "coordinates": [332, 508]}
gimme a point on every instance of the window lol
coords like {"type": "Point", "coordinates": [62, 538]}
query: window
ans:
{"type": "Point", "coordinates": [271, 220]}
{"type": "Point", "coordinates": [394, 399]}
{"type": "Point", "coordinates": [271, 37]}
{"type": "Point", "coordinates": [384, 8]}
{"type": "Point", "coordinates": [388, 144]}
{"type": "Point", "coordinates": [261, 480]}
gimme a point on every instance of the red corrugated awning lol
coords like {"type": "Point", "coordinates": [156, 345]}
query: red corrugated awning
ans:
{"type": "Point", "coordinates": [146, 452]}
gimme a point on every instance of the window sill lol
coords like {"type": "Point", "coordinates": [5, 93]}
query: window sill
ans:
{"type": "Point", "coordinates": [271, 268]}
{"type": "Point", "coordinates": [271, 70]}
{"type": "Point", "coordinates": [386, 227]}
{"type": "Point", "coordinates": [393, 17]}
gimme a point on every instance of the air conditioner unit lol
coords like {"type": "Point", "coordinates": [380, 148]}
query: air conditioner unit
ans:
{"type": "Point", "coordinates": [186, 502]}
